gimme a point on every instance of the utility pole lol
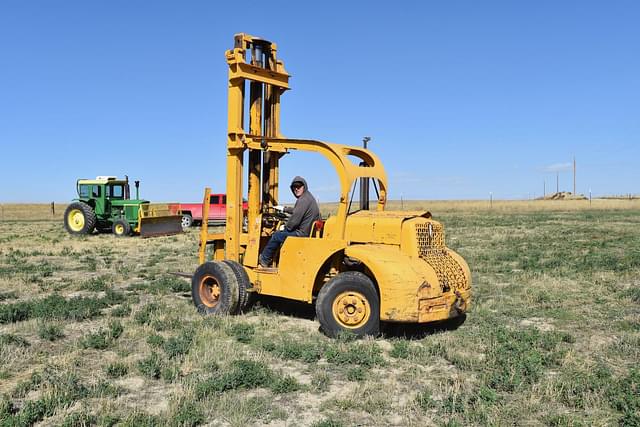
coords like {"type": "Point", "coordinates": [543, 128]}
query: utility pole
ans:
{"type": "Point", "coordinates": [544, 189]}
{"type": "Point", "coordinates": [574, 175]}
{"type": "Point", "coordinates": [557, 181]}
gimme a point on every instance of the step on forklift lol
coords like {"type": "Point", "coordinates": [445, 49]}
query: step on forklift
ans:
{"type": "Point", "coordinates": [359, 268]}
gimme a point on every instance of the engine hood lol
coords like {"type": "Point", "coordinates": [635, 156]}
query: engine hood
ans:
{"type": "Point", "coordinates": [379, 226]}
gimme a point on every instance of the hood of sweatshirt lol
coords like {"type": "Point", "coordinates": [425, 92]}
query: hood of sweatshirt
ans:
{"type": "Point", "coordinates": [299, 179]}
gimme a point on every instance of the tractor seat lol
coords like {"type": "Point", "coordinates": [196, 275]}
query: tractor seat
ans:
{"type": "Point", "coordinates": [317, 228]}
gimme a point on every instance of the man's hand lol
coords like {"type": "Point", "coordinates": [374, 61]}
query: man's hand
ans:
{"type": "Point", "coordinates": [279, 208]}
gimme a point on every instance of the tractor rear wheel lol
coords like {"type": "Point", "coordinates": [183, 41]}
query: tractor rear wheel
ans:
{"type": "Point", "coordinates": [214, 289]}
{"type": "Point", "coordinates": [79, 218]}
{"type": "Point", "coordinates": [349, 303]}
{"type": "Point", "coordinates": [245, 299]}
{"type": "Point", "coordinates": [120, 228]}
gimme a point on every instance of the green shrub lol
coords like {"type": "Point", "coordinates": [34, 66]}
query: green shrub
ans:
{"type": "Point", "coordinates": [243, 332]}
{"type": "Point", "coordinates": [95, 284]}
{"type": "Point", "coordinates": [178, 346]}
{"type": "Point", "coordinates": [141, 419]}
{"type": "Point", "coordinates": [115, 329]}
{"type": "Point", "coordinates": [16, 312]}
{"type": "Point", "coordinates": [170, 373]}
{"type": "Point", "coordinates": [356, 374]}
{"type": "Point", "coordinates": [151, 366]}
{"type": "Point", "coordinates": [283, 385]}
{"type": "Point", "coordinates": [188, 414]}
{"type": "Point", "coordinates": [243, 374]}
{"type": "Point", "coordinates": [155, 340]}
{"type": "Point", "coordinates": [96, 340]}
{"type": "Point", "coordinates": [121, 311]}
{"type": "Point", "coordinates": [329, 422]}
{"type": "Point", "coordinates": [400, 349]}
{"type": "Point", "coordinates": [12, 339]}
{"type": "Point", "coordinates": [8, 295]}
{"type": "Point", "coordinates": [288, 348]}
{"type": "Point", "coordinates": [50, 331]}
{"type": "Point", "coordinates": [63, 390]}
{"type": "Point", "coordinates": [143, 317]}
{"type": "Point", "coordinates": [58, 308]}
{"type": "Point", "coordinates": [363, 354]}
{"type": "Point", "coordinates": [425, 400]}
{"type": "Point", "coordinates": [116, 369]}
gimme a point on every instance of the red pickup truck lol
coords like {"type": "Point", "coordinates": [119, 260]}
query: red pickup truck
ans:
{"type": "Point", "coordinates": [192, 212]}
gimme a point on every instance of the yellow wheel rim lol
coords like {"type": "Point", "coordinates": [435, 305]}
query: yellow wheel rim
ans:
{"type": "Point", "coordinates": [351, 309]}
{"type": "Point", "coordinates": [75, 219]}
{"type": "Point", "coordinates": [209, 290]}
{"type": "Point", "coordinates": [119, 229]}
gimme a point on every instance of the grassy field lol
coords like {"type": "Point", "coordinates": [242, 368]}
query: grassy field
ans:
{"type": "Point", "coordinates": [96, 331]}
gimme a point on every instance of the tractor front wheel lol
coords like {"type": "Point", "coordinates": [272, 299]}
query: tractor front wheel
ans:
{"type": "Point", "coordinates": [121, 228]}
{"type": "Point", "coordinates": [349, 303]}
{"type": "Point", "coordinates": [79, 218]}
{"type": "Point", "coordinates": [214, 289]}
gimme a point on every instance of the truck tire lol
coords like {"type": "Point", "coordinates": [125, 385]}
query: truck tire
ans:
{"type": "Point", "coordinates": [245, 299]}
{"type": "Point", "coordinates": [187, 220]}
{"type": "Point", "coordinates": [349, 303]}
{"type": "Point", "coordinates": [214, 289]}
{"type": "Point", "coordinates": [79, 218]}
{"type": "Point", "coordinates": [121, 228]}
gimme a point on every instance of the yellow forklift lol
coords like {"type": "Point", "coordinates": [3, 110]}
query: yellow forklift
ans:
{"type": "Point", "coordinates": [359, 268]}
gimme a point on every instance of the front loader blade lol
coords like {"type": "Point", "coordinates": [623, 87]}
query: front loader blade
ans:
{"type": "Point", "coordinates": [160, 225]}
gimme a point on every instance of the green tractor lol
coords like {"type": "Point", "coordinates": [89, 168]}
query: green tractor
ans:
{"type": "Point", "coordinates": [104, 204]}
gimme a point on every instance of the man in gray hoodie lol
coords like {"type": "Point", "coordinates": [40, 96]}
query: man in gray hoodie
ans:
{"type": "Point", "coordinates": [303, 214]}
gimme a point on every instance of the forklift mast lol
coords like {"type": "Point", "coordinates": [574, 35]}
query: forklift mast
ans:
{"type": "Point", "coordinates": [253, 66]}
{"type": "Point", "coordinates": [252, 59]}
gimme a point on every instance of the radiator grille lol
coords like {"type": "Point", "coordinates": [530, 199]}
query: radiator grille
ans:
{"type": "Point", "coordinates": [430, 235]}
{"type": "Point", "coordinates": [449, 272]}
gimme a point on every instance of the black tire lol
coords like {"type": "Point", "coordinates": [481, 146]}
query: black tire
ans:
{"type": "Point", "coordinates": [245, 299]}
{"type": "Point", "coordinates": [214, 289]}
{"type": "Point", "coordinates": [121, 228]}
{"type": "Point", "coordinates": [187, 220]}
{"type": "Point", "coordinates": [79, 218]}
{"type": "Point", "coordinates": [357, 305]}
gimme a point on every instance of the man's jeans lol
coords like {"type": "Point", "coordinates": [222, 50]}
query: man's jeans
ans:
{"type": "Point", "coordinates": [274, 243]}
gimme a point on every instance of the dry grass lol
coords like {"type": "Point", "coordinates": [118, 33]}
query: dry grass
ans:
{"type": "Point", "coordinates": [95, 330]}
{"type": "Point", "coordinates": [42, 211]}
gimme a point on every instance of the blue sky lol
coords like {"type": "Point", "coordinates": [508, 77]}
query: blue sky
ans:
{"type": "Point", "coordinates": [461, 98]}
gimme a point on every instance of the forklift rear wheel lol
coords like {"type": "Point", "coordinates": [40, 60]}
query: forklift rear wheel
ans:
{"type": "Point", "coordinates": [120, 228]}
{"type": "Point", "coordinates": [79, 218]}
{"type": "Point", "coordinates": [349, 303]}
{"type": "Point", "coordinates": [214, 288]}
{"type": "Point", "coordinates": [245, 299]}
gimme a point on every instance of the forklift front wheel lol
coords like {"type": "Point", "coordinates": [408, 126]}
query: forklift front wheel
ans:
{"type": "Point", "coordinates": [349, 303]}
{"type": "Point", "coordinates": [121, 228]}
{"type": "Point", "coordinates": [214, 289]}
{"type": "Point", "coordinates": [245, 298]}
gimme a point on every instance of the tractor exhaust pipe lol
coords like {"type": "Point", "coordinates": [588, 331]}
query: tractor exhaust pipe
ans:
{"type": "Point", "coordinates": [137, 184]}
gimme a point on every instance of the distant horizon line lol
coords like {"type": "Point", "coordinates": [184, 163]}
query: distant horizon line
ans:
{"type": "Point", "coordinates": [606, 196]}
